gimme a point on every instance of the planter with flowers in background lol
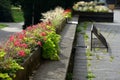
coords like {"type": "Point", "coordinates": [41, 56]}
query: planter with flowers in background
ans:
{"type": "Point", "coordinates": [22, 53]}
{"type": "Point", "coordinates": [90, 11]}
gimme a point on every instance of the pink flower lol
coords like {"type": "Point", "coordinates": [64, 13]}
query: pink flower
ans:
{"type": "Point", "coordinates": [45, 39]}
{"type": "Point", "coordinates": [29, 28]}
{"type": "Point", "coordinates": [21, 36]}
{"type": "Point", "coordinates": [67, 11]}
{"type": "Point", "coordinates": [11, 38]}
{"type": "Point", "coordinates": [24, 45]}
{"type": "Point", "coordinates": [43, 34]}
{"type": "Point", "coordinates": [43, 24]}
{"type": "Point", "coordinates": [24, 32]}
{"type": "Point", "coordinates": [17, 43]}
{"type": "Point", "coordinates": [39, 43]}
{"type": "Point", "coordinates": [1, 47]}
{"type": "Point", "coordinates": [21, 53]}
{"type": "Point", "coordinates": [34, 26]}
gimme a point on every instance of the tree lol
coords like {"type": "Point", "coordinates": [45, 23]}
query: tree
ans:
{"type": "Point", "coordinates": [16, 2]}
{"type": "Point", "coordinates": [32, 9]}
{"type": "Point", "coordinates": [5, 11]}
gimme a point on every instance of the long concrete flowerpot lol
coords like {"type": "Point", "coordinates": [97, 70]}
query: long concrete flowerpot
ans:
{"type": "Point", "coordinates": [30, 64]}
{"type": "Point", "coordinates": [60, 27]}
{"type": "Point", "coordinates": [95, 16]}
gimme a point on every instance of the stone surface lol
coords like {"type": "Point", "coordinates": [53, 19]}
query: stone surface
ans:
{"type": "Point", "coordinates": [56, 70]}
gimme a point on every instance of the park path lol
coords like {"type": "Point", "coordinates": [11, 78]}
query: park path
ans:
{"type": "Point", "coordinates": [11, 29]}
{"type": "Point", "coordinates": [104, 68]}
{"type": "Point", "coordinates": [104, 65]}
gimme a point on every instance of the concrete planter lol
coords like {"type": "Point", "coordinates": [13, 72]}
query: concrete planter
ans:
{"type": "Point", "coordinates": [30, 64]}
{"type": "Point", "coordinates": [94, 16]}
{"type": "Point", "coordinates": [60, 27]}
{"type": "Point", "coordinates": [111, 6]}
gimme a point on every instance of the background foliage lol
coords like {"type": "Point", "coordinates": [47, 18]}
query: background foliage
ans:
{"type": "Point", "coordinates": [5, 11]}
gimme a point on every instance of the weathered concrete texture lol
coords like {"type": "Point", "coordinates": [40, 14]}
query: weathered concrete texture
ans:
{"type": "Point", "coordinates": [56, 70]}
{"type": "Point", "coordinates": [80, 60]}
{"type": "Point", "coordinates": [106, 65]}
{"type": "Point", "coordinates": [11, 29]}
{"type": "Point", "coordinates": [116, 15]}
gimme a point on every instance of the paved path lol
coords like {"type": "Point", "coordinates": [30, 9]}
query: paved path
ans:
{"type": "Point", "coordinates": [104, 68]}
{"type": "Point", "coordinates": [108, 66]}
{"type": "Point", "coordinates": [11, 29]}
{"type": "Point", "coordinates": [104, 65]}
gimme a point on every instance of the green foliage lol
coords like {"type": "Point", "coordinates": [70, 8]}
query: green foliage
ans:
{"type": "Point", "coordinates": [8, 67]}
{"type": "Point", "coordinates": [82, 27]}
{"type": "Point", "coordinates": [90, 75]}
{"type": "Point", "coordinates": [69, 76]}
{"type": "Point", "coordinates": [5, 11]}
{"type": "Point", "coordinates": [111, 58]}
{"type": "Point", "coordinates": [5, 76]}
{"type": "Point", "coordinates": [51, 46]}
{"type": "Point", "coordinates": [17, 14]}
{"type": "Point", "coordinates": [16, 2]}
{"type": "Point", "coordinates": [3, 25]}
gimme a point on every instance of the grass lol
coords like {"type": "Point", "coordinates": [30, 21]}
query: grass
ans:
{"type": "Point", "coordinates": [90, 75]}
{"type": "Point", "coordinates": [3, 25]}
{"type": "Point", "coordinates": [17, 14]}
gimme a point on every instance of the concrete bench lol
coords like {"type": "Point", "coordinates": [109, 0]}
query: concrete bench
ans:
{"type": "Point", "coordinates": [57, 70]}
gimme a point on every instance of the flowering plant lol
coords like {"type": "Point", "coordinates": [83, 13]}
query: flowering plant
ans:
{"type": "Point", "coordinates": [8, 66]}
{"type": "Point", "coordinates": [67, 13]}
{"type": "Point", "coordinates": [20, 45]}
{"type": "Point", "coordinates": [89, 7]}
{"type": "Point", "coordinates": [56, 16]}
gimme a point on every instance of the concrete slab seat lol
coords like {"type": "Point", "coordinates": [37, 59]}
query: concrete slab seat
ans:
{"type": "Point", "coordinates": [95, 16]}
{"type": "Point", "coordinates": [35, 60]}
{"type": "Point", "coordinates": [57, 70]}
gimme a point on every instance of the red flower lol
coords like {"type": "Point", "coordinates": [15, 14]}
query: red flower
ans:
{"type": "Point", "coordinates": [21, 36]}
{"type": "Point", "coordinates": [39, 43]}
{"type": "Point", "coordinates": [67, 11]}
{"type": "Point", "coordinates": [11, 38]}
{"type": "Point", "coordinates": [34, 26]}
{"type": "Point", "coordinates": [24, 45]}
{"type": "Point", "coordinates": [24, 32]}
{"type": "Point", "coordinates": [17, 43]}
{"type": "Point", "coordinates": [1, 47]}
{"type": "Point", "coordinates": [43, 34]}
{"type": "Point", "coordinates": [21, 53]}
{"type": "Point", "coordinates": [42, 24]}
{"type": "Point", "coordinates": [44, 39]}
{"type": "Point", "coordinates": [29, 28]}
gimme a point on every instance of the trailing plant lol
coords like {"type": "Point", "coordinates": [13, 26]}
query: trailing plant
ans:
{"type": "Point", "coordinates": [89, 7]}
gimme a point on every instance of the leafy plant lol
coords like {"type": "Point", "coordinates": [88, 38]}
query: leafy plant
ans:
{"type": "Point", "coordinates": [8, 66]}
{"type": "Point", "coordinates": [3, 25]}
{"type": "Point", "coordinates": [90, 75]}
{"type": "Point", "coordinates": [89, 7]}
{"type": "Point", "coordinates": [20, 45]}
{"type": "Point", "coordinates": [17, 14]}
{"type": "Point", "coordinates": [51, 47]}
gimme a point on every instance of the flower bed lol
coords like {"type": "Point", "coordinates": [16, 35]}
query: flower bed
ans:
{"type": "Point", "coordinates": [89, 7]}
{"type": "Point", "coordinates": [90, 11]}
{"type": "Point", "coordinates": [18, 55]}
{"type": "Point", "coordinates": [30, 64]}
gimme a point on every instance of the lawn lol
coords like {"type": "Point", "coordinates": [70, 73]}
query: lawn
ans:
{"type": "Point", "coordinates": [3, 25]}
{"type": "Point", "coordinates": [17, 14]}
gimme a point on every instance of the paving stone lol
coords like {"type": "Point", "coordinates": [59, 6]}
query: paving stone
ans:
{"type": "Point", "coordinates": [102, 65]}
